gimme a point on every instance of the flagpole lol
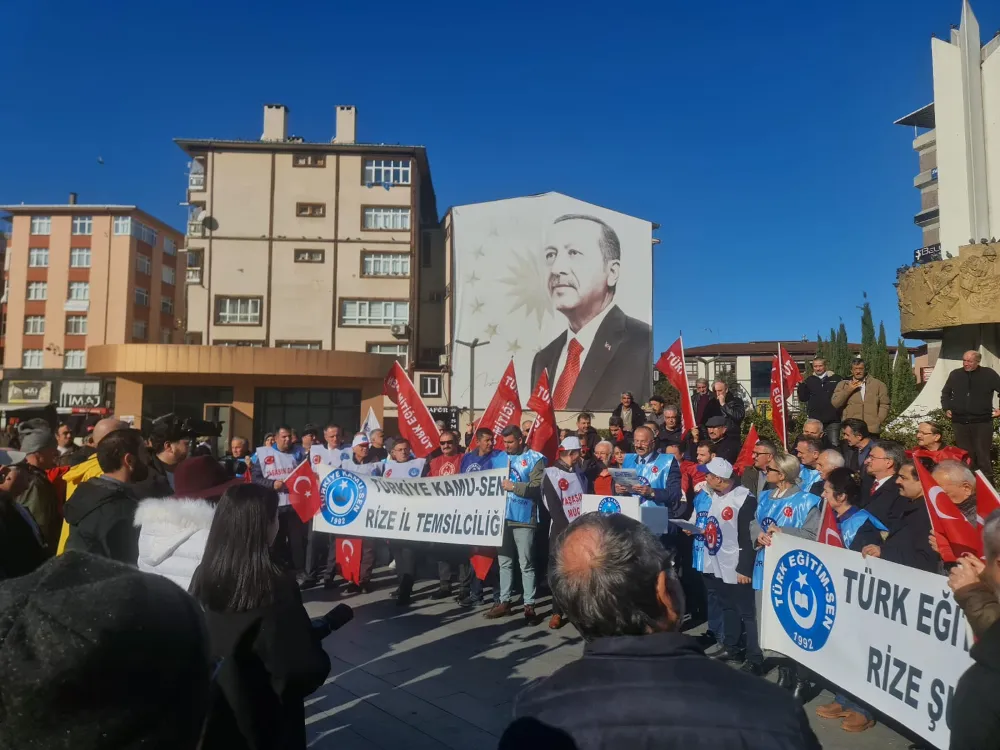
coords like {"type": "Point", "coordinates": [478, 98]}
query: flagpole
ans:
{"type": "Point", "coordinates": [781, 389]}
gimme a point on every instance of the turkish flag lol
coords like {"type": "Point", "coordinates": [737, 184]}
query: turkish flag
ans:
{"type": "Point", "coordinates": [987, 499]}
{"type": "Point", "coordinates": [671, 364]}
{"type": "Point", "coordinates": [349, 558]}
{"type": "Point", "coordinates": [482, 560]}
{"type": "Point", "coordinates": [303, 492]}
{"type": "Point", "coordinates": [778, 402]}
{"type": "Point", "coordinates": [505, 406]}
{"type": "Point", "coordinates": [829, 532]}
{"type": "Point", "coordinates": [745, 459]}
{"type": "Point", "coordinates": [790, 374]}
{"type": "Point", "coordinates": [415, 423]}
{"type": "Point", "coordinates": [544, 434]}
{"type": "Point", "coordinates": [955, 535]}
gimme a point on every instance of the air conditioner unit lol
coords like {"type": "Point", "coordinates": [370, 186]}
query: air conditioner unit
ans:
{"type": "Point", "coordinates": [400, 330]}
{"type": "Point", "coordinates": [442, 360]}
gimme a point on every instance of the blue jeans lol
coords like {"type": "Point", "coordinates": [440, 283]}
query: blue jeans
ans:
{"type": "Point", "coordinates": [713, 605]}
{"type": "Point", "coordinates": [517, 540]}
{"type": "Point", "coordinates": [849, 705]}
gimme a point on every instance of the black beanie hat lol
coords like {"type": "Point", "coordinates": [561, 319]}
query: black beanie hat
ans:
{"type": "Point", "coordinates": [95, 654]}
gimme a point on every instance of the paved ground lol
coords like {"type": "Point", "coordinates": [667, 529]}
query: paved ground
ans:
{"type": "Point", "coordinates": [436, 676]}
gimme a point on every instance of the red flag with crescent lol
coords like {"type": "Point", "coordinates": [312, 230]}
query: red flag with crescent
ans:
{"type": "Point", "coordinates": [303, 492]}
{"type": "Point", "coordinates": [987, 499]}
{"type": "Point", "coordinates": [349, 558]}
{"type": "Point", "coordinates": [955, 535]}
{"type": "Point", "coordinates": [745, 459]}
{"type": "Point", "coordinates": [829, 532]}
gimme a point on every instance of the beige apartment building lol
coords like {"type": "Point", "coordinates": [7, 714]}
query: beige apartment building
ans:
{"type": "Point", "coordinates": [78, 276]}
{"type": "Point", "coordinates": [331, 245]}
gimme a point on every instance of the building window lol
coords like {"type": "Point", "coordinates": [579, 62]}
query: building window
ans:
{"type": "Point", "coordinates": [359, 312]}
{"type": "Point", "coordinates": [310, 209]}
{"type": "Point", "coordinates": [75, 359]}
{"type": "Point", "coordinates": [41, 225]}
{"type": "Point", "coordinates": [300, 344]}
{"type": "Point", "coordinates": [34, 324]}
{"type": "Point", "coordinates": [123, 225]}
{"type": "Point", "coordinates": [143, 233]}
{"type": "Point", "coordinates": [76, 325]}
{"type": "Point", "coordinates": [251, 344]}
{"type": "Point", "coordinates": [398, 351]}
{"type": "Point", "coordinates": [168, 275]}
{"type": "Point", "coordinates": [385, 217]}
{"type": "Point", "coordinates": [391, 171]}
{"type": "Point", "coordinates": [166, 335]}
{"type": "Point", "coordinates": [3, 324]}
{"type": "Point", "coordinates": [308, 160]}
{"type": "Point", "coordinates": [38, 290]}
{"type": "Point", "coordinates": [141, 296]}
{"type": "Point", "coordinates": [237, 311]}
{"type": "Point", "coordinates": [194, 258]}
{"type": "Point", "coordinates": [139, 329]}
{"type": "Point", "coordinates": [79, 290]}
{"type": "Point", "coordinates": [38, 257]}
{"type": "Point", "coordinates": [83, 225]}
{"type": "Point", "coordinates": [724, 367]}
{"type": "Point", "coordinates": [310, 256]}
{"type": "Point", "coordinates": [31, 359]}
{"type": "Point", "coordinates": [385, 264]}
{"type": "Point", "coordinates": [426, 258]}
{"type": "Point", "coordinates": [143, 264]}
{"type": "Point", "coordinates": [430, 386]}
{"type": "Point", "coordinates": [167, 305]}
{"type": "Point", "coordinates": [169, 246]}
{"type": "Point", "coordinates": [692, 371]}
{"type": "Point", "coordinates": [760, 379]}
{"type": "Point", "coordinates": [79, 257]}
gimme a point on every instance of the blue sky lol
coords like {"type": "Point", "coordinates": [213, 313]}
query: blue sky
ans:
{"type": "Point", "coordinates": [759, 135]}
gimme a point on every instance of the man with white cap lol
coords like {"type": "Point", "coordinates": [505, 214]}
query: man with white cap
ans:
{"type": "Point", "coordinates": [728, 550]}
{"type": "Point", "coordinates": [562, 492]}
{"type": "Point", "coordinates": [362, 462]}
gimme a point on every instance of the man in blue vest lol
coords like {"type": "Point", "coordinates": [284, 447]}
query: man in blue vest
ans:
{"type": "Point", "coordinates": [482, 457]}
{"type": "Point", "coordinates": [524, 492]}
{"type": "Point", "coordinates": [658, 474]}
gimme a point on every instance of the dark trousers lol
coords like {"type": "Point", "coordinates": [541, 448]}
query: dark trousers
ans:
{"type": "Point", "coordinates": [977, 439]}
{"type": "Point", "coordinates": [290, 544]}
{"type": "Point", "coordinates": [722, 620]}
{"type": "Point", "coordinates": [742, 599]}
{"type": "Point", "coordinates": [321, 556]}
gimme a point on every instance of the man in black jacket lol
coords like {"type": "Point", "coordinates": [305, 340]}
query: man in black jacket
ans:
{"type": "Point", "coordinates": [630, 413]}
{"type": "Point", "coordinates": [816, 391]}
{"type": "Point", "coordinates": [725, 441]}
{"type": "Point", "coordinates": [101, 515]}
{"type": "Point", "coordinates": [906, 543]}
{"type": "Point", "coordinates": [879, 491]}
{"type": "Point", "coordinates": [725, 404]}
{"type": "Point", "coordinates": [641, 683]}
{"type": "Point", "coordinates": [967, 399]}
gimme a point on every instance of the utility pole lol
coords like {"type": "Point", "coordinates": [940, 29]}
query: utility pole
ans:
{"type": "Point", "coordinates": [472, 374]}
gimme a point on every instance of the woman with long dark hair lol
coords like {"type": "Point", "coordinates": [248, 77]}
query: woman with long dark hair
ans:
{"type": "Point", "coordinates": [270, 656]}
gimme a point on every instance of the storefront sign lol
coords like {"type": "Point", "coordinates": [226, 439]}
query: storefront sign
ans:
{"type": "Point", "coordinates": [80, 395]}
{"type": "Point", "coordinates": [29, 392]}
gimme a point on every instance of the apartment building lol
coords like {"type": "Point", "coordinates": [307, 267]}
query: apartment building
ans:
{"type": "Point", "coordinates": [331, 245]}
{"type": "Point", "coordinates": [78, 276]}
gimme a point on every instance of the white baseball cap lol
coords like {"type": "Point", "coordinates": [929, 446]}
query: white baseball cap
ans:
{"type": "Point", "coordinates": [572, 443]}
{"type": "Point", "coordinates": [360, 439]}
{"type": "Point", "coordinates": [720, 467]}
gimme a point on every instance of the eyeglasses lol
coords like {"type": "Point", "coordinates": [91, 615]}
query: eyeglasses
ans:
{"type": "Point", "coordinates": [761, 453]}
{"type": "Point", "coordinates": [773, 470]}
{"type": "Point", "coordinates": [879, 458]}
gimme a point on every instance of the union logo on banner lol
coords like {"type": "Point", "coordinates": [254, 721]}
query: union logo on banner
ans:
{"type": "Point", "coordinates": [563, 485]}
{"type": "Point", "coordinates": [788, 511]}
{"type": "Point", "coordinates": [269, 460]}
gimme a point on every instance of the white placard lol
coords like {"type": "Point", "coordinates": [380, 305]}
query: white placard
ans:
{"type": "Point", "coordinates": [889, 635]}
{"type": "Point", "coordinates": [656, 517]}
{"type": "Point", "coordinates": [466, 509]}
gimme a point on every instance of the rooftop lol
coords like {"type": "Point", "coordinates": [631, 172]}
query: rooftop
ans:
{"type": "Point", "coordinates": [290, 144]}
{"type": "Point", "coordinates": [921, 118]}
{"type": "Point", "coordinates": [85, 208]}
{"type": "Point", "coordinates": [767, 348]}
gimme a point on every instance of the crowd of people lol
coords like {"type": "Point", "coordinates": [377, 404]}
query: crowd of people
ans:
{"type": "Point", "coordinates": [83, 526]}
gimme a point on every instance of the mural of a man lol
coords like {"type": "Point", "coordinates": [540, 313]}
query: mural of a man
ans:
{"type": "Point", "coordinates": [603, 352]}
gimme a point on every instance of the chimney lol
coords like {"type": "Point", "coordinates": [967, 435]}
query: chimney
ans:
{"type": "Point", "coordinates": [72, 199]}
{"type": "Point", "coordinates": [275, 122]}
{"type": "Point", "coordinates": [347, 122]}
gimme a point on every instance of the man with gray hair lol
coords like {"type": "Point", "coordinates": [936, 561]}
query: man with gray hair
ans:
{"type": "Point", "coordinates": [641, 682]}
{"type": "Point", "coordinates": [959, 484]}
{"type": "Point", "coordinates": [879, 491]}
{"type": "Point", "coordinates": [813, 428]}
{"type": "Point", "coordinates": [816, 392]}
{"type": "Point", "coordinates": [967, 399]}
{"type": "Point", "coordinates": [39, 496]}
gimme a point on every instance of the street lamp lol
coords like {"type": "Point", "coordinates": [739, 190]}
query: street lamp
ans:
{"type": "Point", "coordinates": [472, 374]}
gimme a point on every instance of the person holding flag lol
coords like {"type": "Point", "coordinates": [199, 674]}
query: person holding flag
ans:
{"type": "Point", "coordinates": [524, 493]}
{"type": "Point", "coordinates": [481, 457]}
{"type": "Point", "coordinates": [857, 528]}
{"type": "Point", "coordinates": [562, 493]}
{"type": "Point", "coordinates": [270, 469]}
{"type": "Point", "coordinates": [447, 463]}
{"type": "Point", "coordinates": [402, 465]}
{"type": "Point", "coordinates": [907, 541]}
{"type": "Point", "coordinates": [361, 462]}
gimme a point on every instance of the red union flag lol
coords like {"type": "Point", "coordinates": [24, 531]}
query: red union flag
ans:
{"type": "Point", "coordinates": [544, 435]}
{"type": "Point", "coordinates": [778, 402]}
{"type": "Point", "coordinates": [303, 491]}
{"type": "Point", "coordinates": [987, 499]}
{"type": "Point", "coordinates": [671, 364]}
{"type": "Point", "coordinates": [745, 459]}
{"type": "Point", "coordinates": [955, 535]}
{"type": "Point", "coordinates": [505, 407]}
{"type": "Point", "coordinates": [790, 374]}
{"type": "Point", "coordinates": [829, 532]}
{"type": "Point", "coordinates": [415, 423]}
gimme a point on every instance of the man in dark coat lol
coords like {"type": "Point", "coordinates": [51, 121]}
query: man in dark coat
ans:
{"type": "Point", "coordinates": [906, 543]}
{"type": "Point", "coordinates": [967, 399]}
{"type": "Point", "coordinates": [816, 391]}
{"type": "Point", "coordinates": [725, 404]}
{"type": "Point", "coordinates": [630, 413]}
{"type": "Point", "coordinates": [725, 443]}
{"type": "Point", "coordinates": [603, 351]}
{"type": "Point", "coordinates": [641, 683]}
{"type": "Point", "coordinates": [879, 491]}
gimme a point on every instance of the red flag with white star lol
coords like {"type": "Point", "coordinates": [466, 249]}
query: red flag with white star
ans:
{"type": "Point", "coordinates": [303, 492]}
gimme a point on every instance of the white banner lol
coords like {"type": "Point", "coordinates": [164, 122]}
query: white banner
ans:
{"type": "Point", "coordinates": [656, 517]}
{"type": "Point", "coordinates": [889, 635]}
{"type": "Point", "coordinates": [464, 509]}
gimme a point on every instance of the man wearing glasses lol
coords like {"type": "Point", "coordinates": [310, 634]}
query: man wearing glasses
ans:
{"type": "Point", "coordinates": [755, 476]}
{"type": "Point", "coordinates": [445, 465]}
{"type": "Point", "coordinates": [482, 457]}
{"type": "Point", "coordinates": [882, 498]}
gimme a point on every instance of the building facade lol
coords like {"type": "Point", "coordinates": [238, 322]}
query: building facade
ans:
{"type": "Point", "coordinates": [957, 140]}
{"type": "Point", "coordinates": [78, 276]}
{"type": "Point", "coordinates": [316, 245]}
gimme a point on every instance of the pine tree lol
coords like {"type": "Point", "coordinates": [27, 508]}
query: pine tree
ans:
{"type": "Point", "coordinates": [821, 352]}
{"type": "Point", "coordinates": [883, 368]}
{"type": "Point", "coordinates": [904, 382]}
{"type": "Point", "coordinates": [868, 343]}
{"type": "Point", "coordinates": [843, 353]}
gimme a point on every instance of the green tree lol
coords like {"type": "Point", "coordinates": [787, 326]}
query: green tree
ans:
{"type": "Point", "coordinates": [662, 387]}
{"type": "Point", "coordinates": [882, 367]}
{"type": "Point", "coordinates": [842, 353]}
{"type": "Point", "coordinates": [821, 350]}
{"type": "Point", "coordinates": [904, 382]}
{"type": "Point", "coordinates": [869, 345]}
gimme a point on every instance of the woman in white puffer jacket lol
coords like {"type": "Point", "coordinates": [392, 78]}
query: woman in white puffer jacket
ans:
{"type": "Point", "coordinates": [173, 530]}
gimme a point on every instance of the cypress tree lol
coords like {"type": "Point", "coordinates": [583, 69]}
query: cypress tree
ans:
{"type": "Point", "coordinates": [904, 382]}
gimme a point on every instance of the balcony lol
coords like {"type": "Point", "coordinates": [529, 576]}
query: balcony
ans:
{"type": "Point", "coordinates": [196, 181]}
{"type": "Point", "coordinates": [194, 276]}
{"type": "Point", "coordinates": [76, 305]}
{"type": "Point", "coordinates": [196, 229]}
{"type": "Point", "coordinates": [927, 217]}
